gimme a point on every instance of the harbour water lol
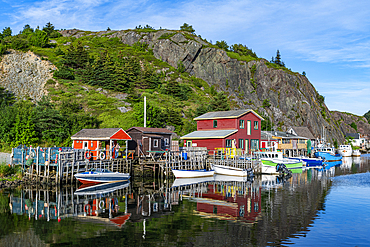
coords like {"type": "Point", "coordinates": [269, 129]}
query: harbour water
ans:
{"type": "Point", "coordinates": [320, 206]}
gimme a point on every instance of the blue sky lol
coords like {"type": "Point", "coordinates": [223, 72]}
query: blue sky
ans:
{"type": "Point", "coordinates": [328, 39]}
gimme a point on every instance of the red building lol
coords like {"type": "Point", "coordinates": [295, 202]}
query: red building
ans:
{"type": "Point", "coordinates": [226, 129]}
{"type": "Point", "coordinates": [99, 143]}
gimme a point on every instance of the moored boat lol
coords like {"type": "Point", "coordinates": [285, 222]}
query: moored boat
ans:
{"type": "Point", "coordinates": [180, 173]}
{"type": "Point", "coordinates": [189, 181]}
{"type": "Point", "coordinates": [328, 154]}
{"type": "Point", "coordinates": [345, 150]}
{"type": "Point", "coordinates": [232, 171]}
{"type": "Point", "coordinates": [96, 176]}
{"type": "Point", "coordinates": [271, 161]}
{"type": "Point", "coordinates": [356, 153]}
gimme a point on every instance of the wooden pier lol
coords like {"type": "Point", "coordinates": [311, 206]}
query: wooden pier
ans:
{"type": "Point", "coordinates": [59, 165]}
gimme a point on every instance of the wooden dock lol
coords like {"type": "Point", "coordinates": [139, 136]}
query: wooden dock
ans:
{"type": "Point", "coordinates": [59, 165]}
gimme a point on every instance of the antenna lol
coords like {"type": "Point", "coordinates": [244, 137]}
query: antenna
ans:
{"type": "Point", "coordinates": [144, 111]}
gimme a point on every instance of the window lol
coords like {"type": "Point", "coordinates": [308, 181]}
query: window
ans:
{"type": "Point", "coordinates": [256, 125]}
{"type": "Point", "coordinates": [214, 123]}
{"type": "Point", "coordinates": [92, 144]}
{"type": "Point", "coordinates": [254, 145]}
{"type": "Point", "coordinates": [246, 145]}
{"type": "Point", "coordinates": [301, 141]}
{"type": "Point", "coordinates": [249, 127]}
{"type": "Point", "coordinates": [286, 141]}
{"type": "Point", "coordinates": [241, 124]}
{"type": "Point", "coordinates": [166, 141]}
{"type": "Point", "coordinates": [228, 143]}
{"type": "Point", "coordinates": [241, 143]}
{"type": "Point", "coordinates": [155, 143]}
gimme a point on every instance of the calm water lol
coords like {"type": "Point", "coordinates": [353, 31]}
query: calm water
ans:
{"type": "Point", "coordinates": [322, 207]}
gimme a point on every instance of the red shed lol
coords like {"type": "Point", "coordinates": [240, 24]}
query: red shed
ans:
{"type": "Point", "coordinates": [226, 129]}
{"type": "Point", "coordinates": [101, 143]}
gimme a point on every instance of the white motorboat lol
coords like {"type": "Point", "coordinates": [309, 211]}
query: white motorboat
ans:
{"type": "Point", "coordinates": [356, 153]}
{"type": "Point", "coordinates": [96, 176]}
{"type": "Point", "coordinates": [232, 171]}
{"type": "Point", "coordinates": [345, 150]}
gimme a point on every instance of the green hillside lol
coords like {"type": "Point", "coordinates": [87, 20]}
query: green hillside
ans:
{"type": "Point", "coordinates": [96, 77]}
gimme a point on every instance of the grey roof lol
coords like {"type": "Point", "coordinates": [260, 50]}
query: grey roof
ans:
{"type": "Point", "coordinates": [95, 134]}
{"type": "Point", "coordinates": [281, 134]}
{"type": "Point", "coordinates": [208, 134]}
{"type": "Point", "coordinates": [353, 135]}
{"type": "Point", "coordinates": [303, 131]}
{"type": "Point", "coordinates": [226, 114]}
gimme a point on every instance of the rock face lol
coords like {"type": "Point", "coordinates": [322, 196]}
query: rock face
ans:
{"type": "Point", "coordinates": [346, 119]}
{"type": "Point", "coordinates": [25, 74]}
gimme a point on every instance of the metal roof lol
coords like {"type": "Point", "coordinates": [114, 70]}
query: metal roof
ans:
{"type": "Point", "coordinates": [209, 134]}
{"type": "Point", "coordinates": [226, 114]}
{"type": "Point", "coordinates": [280, 134]}
{"type": "Point", "coordinates": [96, 134]}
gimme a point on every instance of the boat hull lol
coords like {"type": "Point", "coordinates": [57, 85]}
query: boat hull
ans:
{"type": "Point", "coordinates": [97, 178]}
{"type": "Point", "coordinates": [230, 171]}
{"type": "Point", "coordinates": [328, 157]}
{"type": "Point", "coordinates": [269, 165]}
{"type": "Point", "coordinates": [192, 173]}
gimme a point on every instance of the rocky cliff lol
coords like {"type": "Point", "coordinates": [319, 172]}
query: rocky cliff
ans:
{"type": "Point", "coordinates": [286, 98]}
{"type": "Point", "coordinates": [25, 74]}
{"type": "Point", "coordinates": [345, 120]}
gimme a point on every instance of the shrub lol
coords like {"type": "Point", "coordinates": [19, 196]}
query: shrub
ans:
{"type": "Point", "coordinates": [64, 73]}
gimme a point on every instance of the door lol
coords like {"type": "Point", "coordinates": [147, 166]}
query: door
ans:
{"type": "Point", "coordinates": [85, 145]}
{"type": "Point", "coordinates": [246, 146]}
{"type": "Point", "coordinates": [189, 143]}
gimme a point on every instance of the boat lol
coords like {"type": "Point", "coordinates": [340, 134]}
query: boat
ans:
{"type": "Point", "coordinates": [272, 161]}
{"type": "Point", "coordinates": [103, 188]}
{"type": "Point", "coordinates": [356, 153]}
{"type": "Point", "coordinates": [97, 175]}
{"type": "Point", "coordinates": [327, 154]}
{"type": "Point", "coordinates": [180, 173]}
{"type": "Point", "coordinates": [345, 150]}
{"type": "Point", "coordinates": [232, 171]}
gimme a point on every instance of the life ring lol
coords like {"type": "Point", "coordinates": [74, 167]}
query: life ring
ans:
{"type": "Point", "coordinates": [87, 208]}
{"type": "Point", "coordinates": [32, 154]}
{"type": "Point", "coordinates": [102, 155]}
{"type": "Point", "coordinates": [88, 155]}
{"type": "Point", "coordinates": [101, 204]}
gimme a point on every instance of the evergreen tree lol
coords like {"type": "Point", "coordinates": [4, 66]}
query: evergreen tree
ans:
{"type": "Point", "coordinates": [49, 123]}
{"type": "Point", "coordinates": [77, 56]}
{"type": "Point", "coordinates": [7, 32]}
{"type": "Point", "coordinates": [219, 102]}
{"type": "Point", "coordinates": [223, 45]}
{"type": "Point", "coordinates": [187, 27]}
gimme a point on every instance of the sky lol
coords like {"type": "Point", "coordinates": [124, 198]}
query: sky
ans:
{"type": "Point", "coordinates": [328, 39]}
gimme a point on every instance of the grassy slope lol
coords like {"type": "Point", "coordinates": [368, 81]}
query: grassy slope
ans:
{"type": "Point", "coordinates": [104, 105]}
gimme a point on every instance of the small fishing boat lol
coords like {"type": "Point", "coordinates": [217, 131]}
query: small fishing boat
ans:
{"type": "Point", "coordinates": [232, 171]}
{"type": "Point", "coordinates": [272, 161]}
{"type": "Point", "coordinates": [328, 154]}
{"type": "Point", "coordinates": [356, 153]}
{"type": "Point", "coordinates": [345, 150]}
{"type": "Point", "coordinates": [180, 173]}
{"type": "Point", "coordinates": [96, 176]}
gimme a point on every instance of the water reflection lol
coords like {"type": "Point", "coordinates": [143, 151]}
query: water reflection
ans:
{"type": "Point", "coordinates": [266, 210]}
